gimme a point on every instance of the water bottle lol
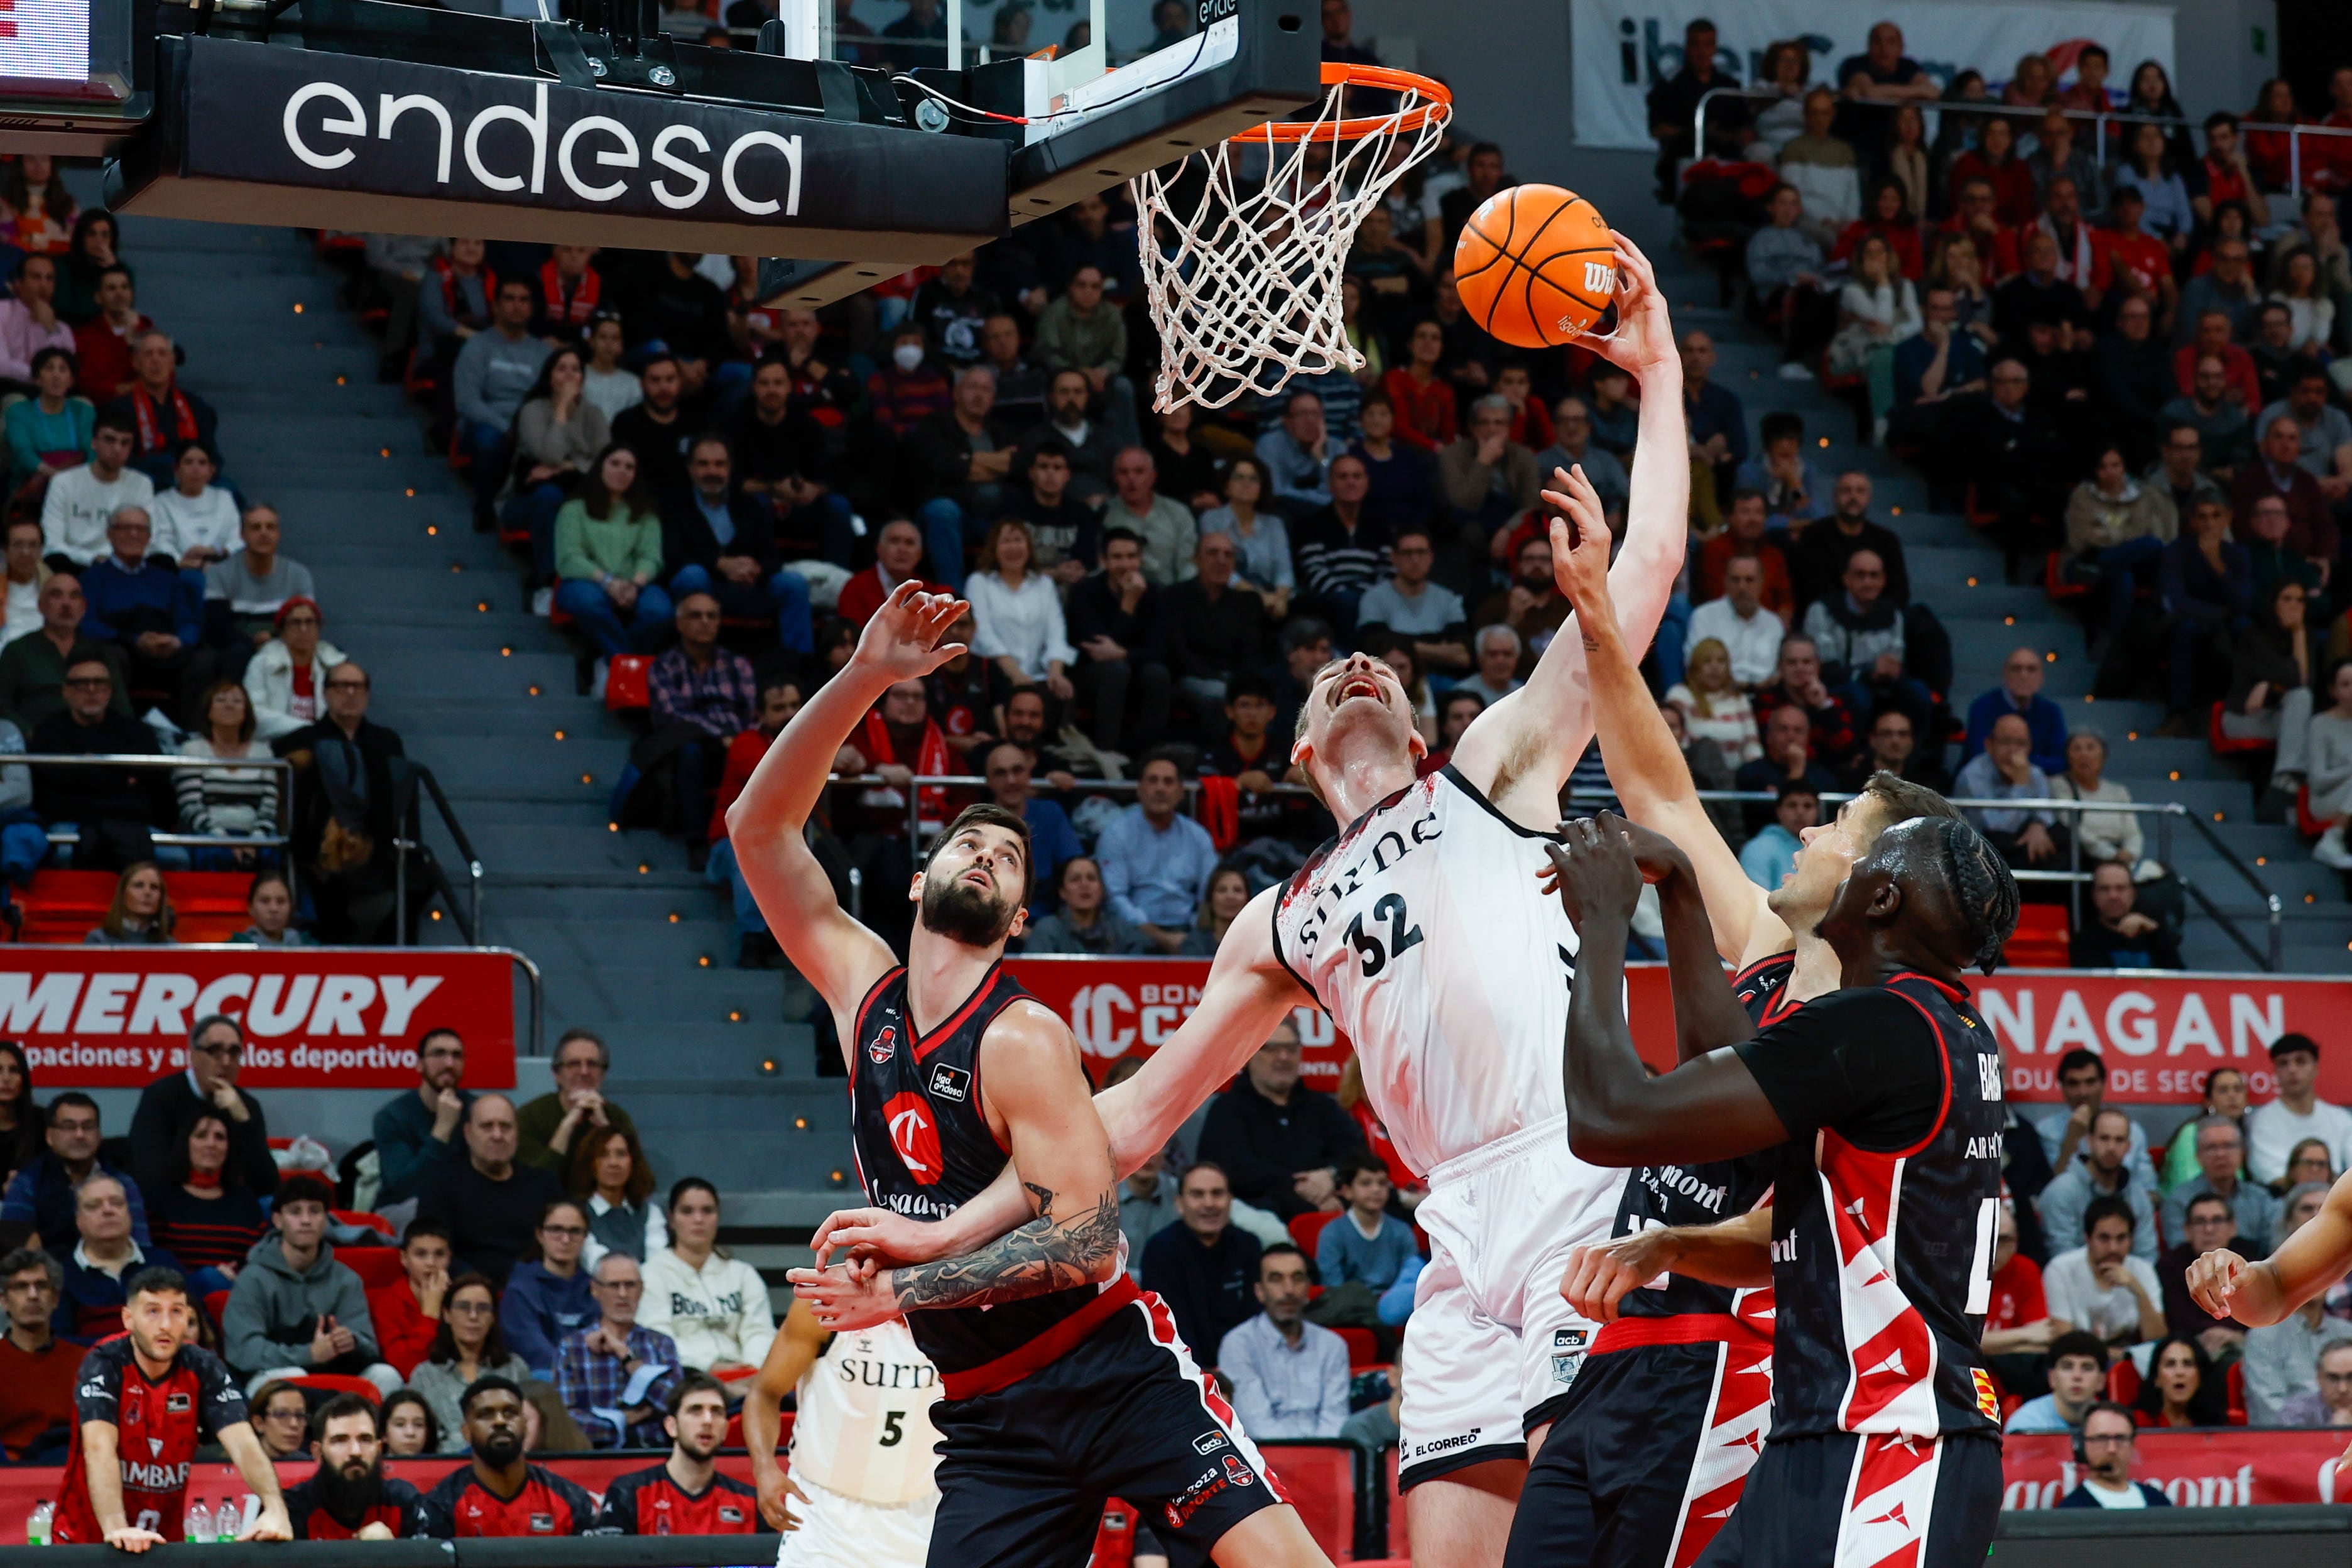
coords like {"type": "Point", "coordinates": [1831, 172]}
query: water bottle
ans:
{"type": "Point", "coordinates": [36, 1529]}
{"type": "Point", "coordinates": [199, 1522]}
{"type": "Point", "coordinates": [233, 1521]}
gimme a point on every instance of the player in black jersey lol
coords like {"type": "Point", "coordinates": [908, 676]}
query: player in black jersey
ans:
{"type": "Point", "coordinates": [349, 1497]}
{"type": "Point", "coordinates": [1669, 1414]}
{"type": "Point", "coordinates": [1883, 1100]}
{"type": "Point", "coordinates": [1063, 1384]}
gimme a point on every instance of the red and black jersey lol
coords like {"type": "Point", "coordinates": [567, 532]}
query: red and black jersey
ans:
{"type": "Point", "coordinates": [1884, 1210]}
{"type": "Point", "coordinates": [399, 1508]}
{"type": "Point", "coordinates": [462, 1507]}
{"type": "Point", "coordinates": [651, 1502]}
{"type": "Point", "coordinates": [159, 1424]}
{"type": "Point", "coordinates": [923, 1149]}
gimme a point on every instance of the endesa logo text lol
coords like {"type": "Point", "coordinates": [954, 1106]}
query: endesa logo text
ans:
{"type": "Point", "coordinates": [595, 157]}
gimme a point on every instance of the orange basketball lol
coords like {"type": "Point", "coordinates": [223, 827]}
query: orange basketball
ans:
{"type": "Point", "coordinates": [1535, 266]}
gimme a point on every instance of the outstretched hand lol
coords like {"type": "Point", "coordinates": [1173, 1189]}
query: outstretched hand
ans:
{"type": "Point", "coordinates": [1658, 856]}
{"type": "Point", "coordinates": [1644, 338]}
{"type": "Point", "coordinates": [1595, 871]}
{"type": "Point", "coordinates": [1580, 544]}
{"type": "Point", "coordinates": [902, 640]}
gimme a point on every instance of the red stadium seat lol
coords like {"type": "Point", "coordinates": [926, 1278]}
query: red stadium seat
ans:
{"type": "Point", "coordinates": [335, 1383]}
{"type": "Point", "coordinates": [362, 1217]}
{"type": "Point", "coordinates": [1363, 1350]}
{"type": "Point", "coordinates": [2123, 1381]}
{"type": "Point", "coordinates": [2040, 940]}
{"type": "Point", "coordinates": [2310, 826]}
{"type": "Point", "coordinates": [2236, 1382]}
{"type": "Point", "coordinates": [63, 906]}
{"type": "Point", "coordinates": [2053, 580]}
{"type": "Point", "coordinates": [626, 683]}
{"type": "Point", "coordinates": [2227, 745]}
{"type": "Point", "coordinates": [214, 1305]}
{"type": "Point", "coordinates": [1306, 1229]}
{"type": "Point", "coordinates": [378, 1267]}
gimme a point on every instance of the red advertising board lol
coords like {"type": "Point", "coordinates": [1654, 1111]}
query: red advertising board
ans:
{"type": "Point", "coordinates": [2161, 1034]}
{"type": "Point", "coordinates": [2223, 1466]}
{"type": "Point", "coordinates": [332, 1017]}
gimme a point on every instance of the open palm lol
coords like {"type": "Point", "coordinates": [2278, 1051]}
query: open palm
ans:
{"type": "Point", "coordinates": [902, 639]}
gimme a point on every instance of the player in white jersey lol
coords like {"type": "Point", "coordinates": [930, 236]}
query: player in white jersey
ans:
{"type": "Point", "coordinates": [859, 1493]}
{"type": "Point", "coordinates": [1423, 930]}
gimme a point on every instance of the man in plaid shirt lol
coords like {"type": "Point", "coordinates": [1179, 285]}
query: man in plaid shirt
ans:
{"type": "Point", "coordinates": [599, 1364]}
{"type": "Point", "coordinates": [700, 684]}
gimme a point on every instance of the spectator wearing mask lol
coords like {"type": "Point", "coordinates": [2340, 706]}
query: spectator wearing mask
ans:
{"type": "Point", "coordinates": [1279, 1141]}
{"type": "Point", "coordinates": [2273, 1130]}
{"type": "Point", "coordinates": [712, 1306]}
{"type": "Point", "coordinates": [416, 1130]}
{"type": "Point", "coordinates": [103, 1262]}
{"type": "Point", "coordinates": [491, 1205]}
{"type": "Point", "coordinates": [2109, 1446]}
{"type": "Point", "coordinates": [2119, 936]}
{"type": "Point", "coordinates": [1083, 921]}
{"type": "Point", "coordinates": [1118, 620]}
{"type": "Point", "coordinates": [1155, 861]}
{"type": "Point", "coordinates": [50, 431]}
{"type": "Point", "coordinates": [546, 1299]}
{"type": "Point", "coordinates": [1771, 855]}
{"type": "Point", "coordinates": [81, 501]}
{"type": "Point", "coordinates": [2102, 1169]}
{"type": "Point", "coordinates": [720, 540]}
{"type": "Point", "coordinates": [2105, 1286]}
{"type": "Point", "coordinates": [1290, 1376]}
{"type": "Point", "coordinates": [1203, 1266]}
{"type": "Point", "coordinates": [600, 1364]}
{"type": "Point", "coordinates": [2077, 1360]}
{"type": "Point", "coordinates": [40, 1195]}
{"type": "Point", "coordinates": [169, 1106]}
{"type": "Point", "coordinates": [294, 1311]}
{"type": "Point", "coordinates": [37, 1369]}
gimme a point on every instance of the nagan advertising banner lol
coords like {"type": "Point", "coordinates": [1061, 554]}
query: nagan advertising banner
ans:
{"type": "Point", "coordinates": [108, 1017]}
{"type": "Point", "coordinates": [2160, 1035]}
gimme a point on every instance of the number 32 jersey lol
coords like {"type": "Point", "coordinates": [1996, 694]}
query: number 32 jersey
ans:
{"type": "Point", "coordinates": [1423, 930]}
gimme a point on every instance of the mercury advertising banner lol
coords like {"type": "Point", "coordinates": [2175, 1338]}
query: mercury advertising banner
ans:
{"type": "Point", "coordinates": [1624, 47]}
{"type": "Point", "coordinates": [113, 1018]}
{"type": "Point", "coordinates": [2161, 1034]}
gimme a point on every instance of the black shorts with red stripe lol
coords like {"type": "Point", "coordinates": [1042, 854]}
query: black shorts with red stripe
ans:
{"type": "Point", "coordinates": [1854, 1500]}
{"type": "Point", "coordinates": [1025, 1467]}
{"type": "Point", "coordinates": [1649, 1455]}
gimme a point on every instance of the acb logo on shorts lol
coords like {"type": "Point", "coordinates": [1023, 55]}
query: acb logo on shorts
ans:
{"type": "Point", "coordinates": [1567, 1347]}
{"type": "Point", "coordinates": [914, 1134]}
{"type": "Point", "coordinates": [1208, 1442]}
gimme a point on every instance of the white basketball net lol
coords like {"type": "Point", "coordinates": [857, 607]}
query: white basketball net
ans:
{"type": "Point", "coordinates": [1244, 285]}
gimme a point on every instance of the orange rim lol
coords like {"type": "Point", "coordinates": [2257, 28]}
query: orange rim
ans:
{"type": "Point", "coordinates": [1435, 100]}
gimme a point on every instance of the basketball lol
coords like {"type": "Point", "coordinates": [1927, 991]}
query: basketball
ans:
{"type": "Point", "coordinates": [1535, 266]}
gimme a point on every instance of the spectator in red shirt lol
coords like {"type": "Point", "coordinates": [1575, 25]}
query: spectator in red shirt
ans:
{"type": "Point", "coordinates": [1422, 398]}
{"type": "Point", "coordinates": [102, 344]}
{"type": "Point", "coordinates": [2327, 160]}
{"type": "Point", "coordinates": [2222, 176]}
{"type": "Point", "coordinates": [685, 1494]}
{"type": "Point", "coordinates": [36, 1368]}
{"type": "Point", "coordinates": [1888, 214]}
{"type": "Point", "coordinates": [2244, 383]}
{"type": "Point", "coordinates": [2267, 151]}
{"type": "Point", "coordinates": [407, 1314]}
{"type": "Point", "coordinates": [498, 1492]}
{"type": "Point", "coordinates": [2136, 261]}
{"type": "Point", "coordinates": [1995, 161]}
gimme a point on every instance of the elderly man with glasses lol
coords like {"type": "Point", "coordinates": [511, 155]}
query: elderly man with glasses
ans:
{"type": "Point", "coordinates": [110, 811]}
{"type": "Point", "coordinates": [616, 1375]}
{"type": "Point", "coordinates": [169, 1107]}
{"type": "Point", "coordinates": [346, 764]}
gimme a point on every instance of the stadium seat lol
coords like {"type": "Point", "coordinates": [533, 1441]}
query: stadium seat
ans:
{"type": "Point", "coordinates": [1306, 1229]}
{"type": "Point", "coordinates": [2227, 745]}
{"type": "Point", "coordinates": [331, 1384]}
{"type": "Point", "coordinates": [379, 1268]}
{"type": "Point", "coordinates": [1363, 1350]}
{"type": "Point", "coordinates": [2123, 1381]}
{"type": "Point", "coordinates": [2236, 1380]}
{"type": "Point", "coordinates": [216, 1304]}
{"type": "Point", "coordinates": [2039, 941]}
{"type": "Point", "coordinates": [2309, 826]}
{"type": "Point", "coordinates": [2053, 580]}
{"type": "Point", "coordinates": [627, 685]}
{"type": "Point", "coordinates": [63, 907]}
{"type": "Point", "coordinates": [375, 1222]}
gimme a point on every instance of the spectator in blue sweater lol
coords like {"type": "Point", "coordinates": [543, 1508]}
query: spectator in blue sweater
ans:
{"type": "Point", "coordinates": [416, 1130]}
{"type": "Point", "coordinates": [547, 1298]}
{"type": "Point", "coordinates": [145, 605]}
{"type": "Point", "coordinates": [41, 1194]}
{"type": "Point", "coordinates": [1366, 1242]}
{"type": "Point", "coordinates": [2020, 692]}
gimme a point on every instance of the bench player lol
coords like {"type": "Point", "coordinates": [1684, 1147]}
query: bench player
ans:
{"type": "Point", "coordinates": [1062, 1383]}
{"type": "Point", "coordinates": [1422, 931]}
{"type": "Point", "coordinates": [1884, 1101]}
{"type": "Point", "coordinates": [685, 1494]}
{"type": "Point", "coordinates": [862, 1451]}
{"type": "Point", "coordinates": [1658, 1435]}
{"type": "Point", "coordinates": [145, 1400]}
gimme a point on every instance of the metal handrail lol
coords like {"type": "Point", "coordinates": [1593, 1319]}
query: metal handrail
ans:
{"type": "Point", "coordinates": [2100, 119]}
{"type": "Point", "coordinates": [470, 926]}
{"type": "Point", "coordinates": [281, 839]}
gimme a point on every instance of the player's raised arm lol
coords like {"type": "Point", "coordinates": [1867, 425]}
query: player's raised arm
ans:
{"type": "Point", "coordinates": [2257, 1294]}
{"type": "Point", "coordinates": [1646, 767]}
{"type": "Point", "coordinates": [1033, 1088]}
{"type": "Point", "coordinates": [841, 958]}
{"type": "Point", "coordinates": [1520, 751]}
{"type": "Point", "coordinates": [793, 1351]}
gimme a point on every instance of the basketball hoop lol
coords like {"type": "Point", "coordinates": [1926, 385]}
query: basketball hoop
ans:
{"type": "Point", "coordinates": [1243, 278]}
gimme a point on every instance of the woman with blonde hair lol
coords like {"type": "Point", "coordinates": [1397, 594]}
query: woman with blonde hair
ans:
{"type": "Point", "coordinates": [1713, 707]}
{"type": "Point", "coordinates": [140, 914]}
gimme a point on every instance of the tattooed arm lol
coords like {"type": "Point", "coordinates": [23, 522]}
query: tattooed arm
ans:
{"type": "Point", "coordinates": [1041, 1108]}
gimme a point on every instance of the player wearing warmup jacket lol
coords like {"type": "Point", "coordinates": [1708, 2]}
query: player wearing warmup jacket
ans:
{"type": "Point", "coordinates": [1662, 1428]}
{"type": "Point", "coordinates": [349, 1497]}
{"type": "Point", "coordinates": [145, 1401]}
{"type": "Point", "coordinates": [498, 1491]}
{"type": "Point", "coordinates": [862, 1457]}
{"type": "Point", "coordinates": [1062, 1383]}
{"type": "Point", "coordinates": [1422, 931]}
{"type": "Point", "coordinates": [1883, 1103]}
{"type": "Point", "coordinates": [685, 1494]}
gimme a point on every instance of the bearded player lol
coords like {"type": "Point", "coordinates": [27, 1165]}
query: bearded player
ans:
{"type": "Point", "coordinates": [1061, 1383]}
{"type": "Point", "coordinates": [1655, 1443]}
{"type": "Point", "coordinates": [1422, 931]}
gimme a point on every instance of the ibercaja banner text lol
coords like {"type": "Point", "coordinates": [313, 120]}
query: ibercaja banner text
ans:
{"type": "Point", "coordinates": [105, 1017]}
{"type": "Point", "coordinates": [2159, 1033]}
